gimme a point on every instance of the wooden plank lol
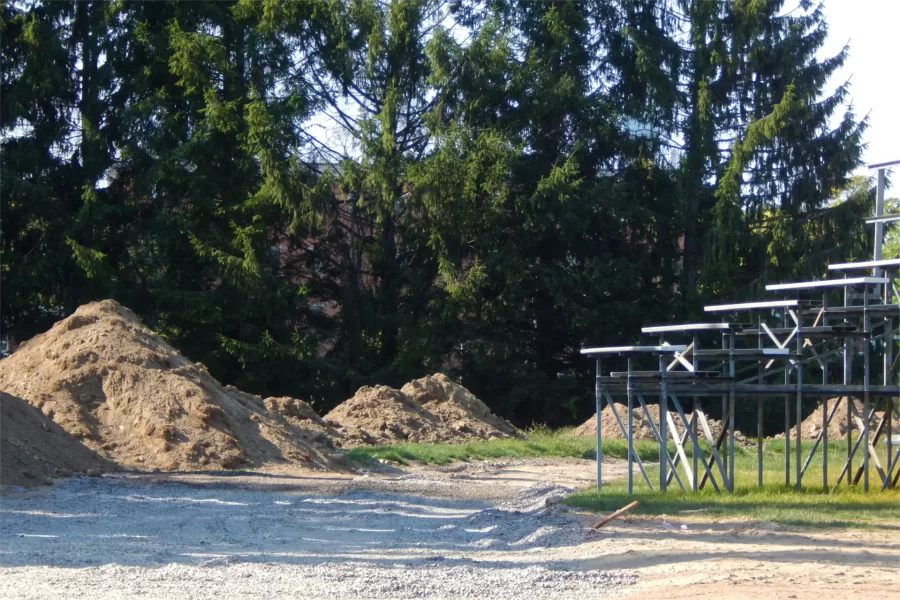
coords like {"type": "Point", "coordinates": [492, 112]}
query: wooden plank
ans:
{"type": "Point", "coordinates": [615, 515]}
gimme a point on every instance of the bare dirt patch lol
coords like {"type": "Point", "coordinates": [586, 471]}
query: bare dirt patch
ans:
{"type": "Point", "coordinates": [34, 449]}
{"type": "Point", "coordinates": [431, 409]}
{"type": "Point", "coordinates": [124, 392]}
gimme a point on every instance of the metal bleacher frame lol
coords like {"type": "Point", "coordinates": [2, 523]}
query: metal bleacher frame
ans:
{"type": "Point", "coordinates": [761, 350]}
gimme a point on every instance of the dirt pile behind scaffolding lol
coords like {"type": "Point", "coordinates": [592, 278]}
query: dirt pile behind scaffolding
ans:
{"type": "Point", "coordinates": [128, 395]}
{"type": "Point", "coordinates": [811, 426]}
{"type": "Point", "coordinates": [609, 427]}
{"type": "Point", "coordinates": [431, 409]}
{"type": "Point", "coordinates": [34, 449]}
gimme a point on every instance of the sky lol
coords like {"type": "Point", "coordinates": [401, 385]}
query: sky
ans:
{"type": "Point", "coordinates": [872, 29]}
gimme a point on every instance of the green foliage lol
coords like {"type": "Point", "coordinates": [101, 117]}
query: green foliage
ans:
{"type": "Point", "coordinates": [308, 196]}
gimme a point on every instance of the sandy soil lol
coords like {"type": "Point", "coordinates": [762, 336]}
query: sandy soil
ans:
{"type": "Point", "coordinates": [430, 409]}
{"type": "Point", "coordinates": [33, 448]}
{"type": "Point", "coordinates": [482, 530]}
{"type": "Point", "coordinates": [128, 395]}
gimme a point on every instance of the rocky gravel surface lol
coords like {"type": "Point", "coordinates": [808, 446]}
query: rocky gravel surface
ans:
{"type": "Point", "coordinates": [121, 538]}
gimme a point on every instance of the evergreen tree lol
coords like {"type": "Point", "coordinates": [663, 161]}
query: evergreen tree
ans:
{"type": "Point", "coordinates": [311, 195]}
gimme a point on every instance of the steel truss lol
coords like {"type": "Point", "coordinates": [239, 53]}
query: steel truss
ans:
{"type": "Point", "coordinates": [822, 329]}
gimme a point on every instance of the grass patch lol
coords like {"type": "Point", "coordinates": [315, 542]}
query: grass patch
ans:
{"type": "Point", "coordinates": [537, 443]}
{"type": "Point", "coordinates": [845, 507]}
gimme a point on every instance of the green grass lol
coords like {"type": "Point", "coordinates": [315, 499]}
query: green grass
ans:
{"type": "Point", "coordinates": [538, 442]}
{"type": "Point", "coordinates": [845, 506]}
{"type": "Point", "coordinates": [773, 502]}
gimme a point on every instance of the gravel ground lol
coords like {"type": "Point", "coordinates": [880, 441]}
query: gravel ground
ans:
{"type": "Point", "coordinates": [121, 538]}
{"type": "Point", "coordinates": [489, 529]}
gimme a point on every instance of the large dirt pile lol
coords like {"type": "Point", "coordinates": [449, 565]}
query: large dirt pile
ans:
{"type": "Point", "coordinates": [811, 427]}
{"type": "Point", "coordinates": [609, 428]}
{"type": "Point", "coordinates": [33, 448]}
{"type": "Point", "coordinates": [431, 409]}
{"type": "Point", "coordinates": [125, 393]}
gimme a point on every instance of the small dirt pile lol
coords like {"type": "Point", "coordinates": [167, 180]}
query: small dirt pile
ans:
{"type": "Point", "coordinates": [431, 409]}
{"type": "Point", "coordinates": [609, 428]}
{"type": "Point", "coordinates": [127, 394]}
{"type": "Point", "coordinates": [33, 448]}
{"type": "Point", "coordinates": [811, 426]}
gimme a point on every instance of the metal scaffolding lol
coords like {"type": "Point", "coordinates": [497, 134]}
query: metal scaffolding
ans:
{"type": "Point", "coordinates": [818, 340]}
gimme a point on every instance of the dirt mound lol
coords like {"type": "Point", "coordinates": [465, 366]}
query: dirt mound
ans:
{"type": "Point", "coordinates": [127, 394]}
{"type": "Point", "coordinates": [609, 428]}
{"type": "Point", "coordinates": [459, 407]}
{"type": "Point", "coordinates": [33, 448]}
{"type": "Point", "coordinates": [431, 409]}
{"type": "Point", "coordinates": [811, 427]}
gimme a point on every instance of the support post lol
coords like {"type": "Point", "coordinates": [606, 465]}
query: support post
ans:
{"type": "Point", "coordinates": [630, 432]}
{"type": "Point", "coordinates": [888, 359]}
{"type": "Point", "coordinates": [889, 467]}
{"type": "Point", "coordinates": [663, 450]}
{"type": "Point", "coordinates": [798, 451]}
{"type": "Point", "coordinates": [759, 441]}
{"type": "Point", "coordinates": [759, 412]}
{"type": "Point", "coordinates": [598, 402]}
{"type": "Point", "coordinates": [879, 211]}
{"type": "Point", "coordinates": [731, 373]}
{"type": "Point", "coordinates": [695, 452]}
{"type": "Point", "coordinates": [724, 419]}
{"type": "Point", "coordinates": [848, 365]}
{"type": "Point", "coordinates": [825, 399]}
{"type": "Point", "coordinates": [787, 419]}
{"type": "Point", "coordinates": [866, 384]}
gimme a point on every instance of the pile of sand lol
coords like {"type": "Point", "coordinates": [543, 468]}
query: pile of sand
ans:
{"type": "Point", "coordinates": [34, 449]}
{"type": "Point", "coordinates": [431, 409]}
{"type": "Point", "coordinates": [609, 428]}
{"type": "Point", "coordinates": [128, 395]}
{"type": "Point", "coordinates": [811, 427]}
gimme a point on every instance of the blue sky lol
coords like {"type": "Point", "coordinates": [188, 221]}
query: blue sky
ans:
{"type": "Point", "coordinates": [872, 28]}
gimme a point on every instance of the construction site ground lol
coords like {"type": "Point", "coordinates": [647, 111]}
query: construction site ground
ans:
{"type": "Point", "coordinates": [467, 530]}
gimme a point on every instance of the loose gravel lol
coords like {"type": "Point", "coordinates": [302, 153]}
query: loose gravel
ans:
{"type": "Point", "coordinates": [120, 538]}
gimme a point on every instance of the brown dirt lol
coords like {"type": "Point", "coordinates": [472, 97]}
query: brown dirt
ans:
{"type": "Point", "coordinates": [34, 449]}
{"type": "Point", "coordinates": [609, 428]}
{"type": "Point", "coordinates": [431, 409]}
{"type": "Point", "coordinates": [811, 427]}
{"type": "Point", "coordinates": [128, 395]}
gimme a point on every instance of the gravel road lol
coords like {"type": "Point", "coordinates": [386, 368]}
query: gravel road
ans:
{"type": "Point", "coordinates": [124, 538]}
